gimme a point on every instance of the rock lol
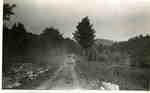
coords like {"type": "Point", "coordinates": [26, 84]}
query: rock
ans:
{"type": "Point", "coordinates": [16, 84]}
{"type": "Point", "coordinates": [109, 86]}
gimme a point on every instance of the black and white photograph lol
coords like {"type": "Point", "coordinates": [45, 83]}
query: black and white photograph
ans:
{"type": "Point", "coordinates": [101, 45]}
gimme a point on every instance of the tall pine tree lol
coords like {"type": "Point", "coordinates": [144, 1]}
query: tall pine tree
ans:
{"type": "Point", "coordinates": [85, 34]}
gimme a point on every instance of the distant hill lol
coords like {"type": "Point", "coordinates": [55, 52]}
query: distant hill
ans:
{"type": "Point", "coordinates": [104, 42]}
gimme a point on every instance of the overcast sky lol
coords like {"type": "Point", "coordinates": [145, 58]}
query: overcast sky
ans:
{"type": "Point", "coordinates": [112, 19]}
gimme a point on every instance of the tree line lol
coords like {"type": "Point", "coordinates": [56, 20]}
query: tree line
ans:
{"type": "Point", "coordinates": [18, 41]}
{"type": "Point", "coordinates": [138, 49]}
{"type": "Point", "coordinates": [84, 35]}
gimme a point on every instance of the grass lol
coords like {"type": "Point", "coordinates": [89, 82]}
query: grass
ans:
{"type": "Point", "coordinates": [39, 80]}
{"type": "Point", "coordinates": [128, 78]}
{"type": "Point", "coordinates": [52, 64]}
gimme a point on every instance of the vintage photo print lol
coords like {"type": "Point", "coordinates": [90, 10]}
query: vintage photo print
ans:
{"type": "Point", "coordinates": [76, 45]}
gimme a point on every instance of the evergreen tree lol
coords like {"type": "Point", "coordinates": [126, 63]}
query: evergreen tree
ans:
{"type": "Point", "coordinates": [51, 34]}
{"type": "Point", "coordinates": [84, 34]}
{"type": "Point", "coordinates": [51, 38]}
{"type": "Point", "coordinates": [19, 27]}
{"type": "Point", "coordinates": [7, 11]}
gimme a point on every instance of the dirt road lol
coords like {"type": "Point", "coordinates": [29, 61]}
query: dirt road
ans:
{"type": "Point", "coordinates": [64, 78]}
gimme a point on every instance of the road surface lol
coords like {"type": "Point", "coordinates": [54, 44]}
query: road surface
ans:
{"type": "Point", "coordinates": [64, 78]}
